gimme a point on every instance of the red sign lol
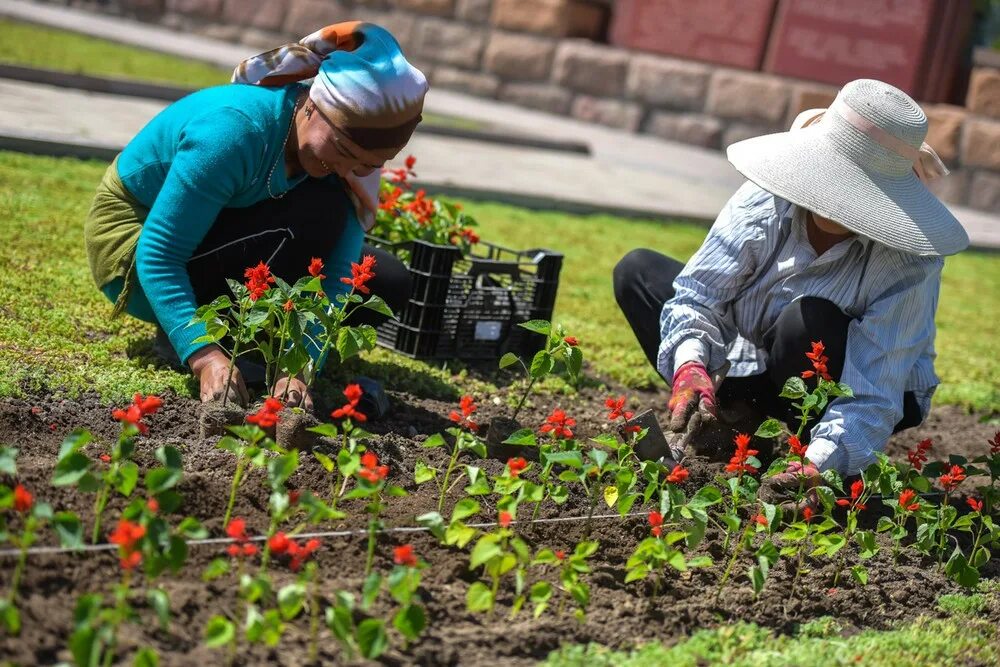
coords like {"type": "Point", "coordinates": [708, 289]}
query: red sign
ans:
{"type": "Point", "coordinates": [724, 32]}
{"type": "Point", "coordinates": [836, 42]}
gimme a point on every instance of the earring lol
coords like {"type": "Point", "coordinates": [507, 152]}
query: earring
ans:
{"type": "Point", "coordinates": [309, 111]}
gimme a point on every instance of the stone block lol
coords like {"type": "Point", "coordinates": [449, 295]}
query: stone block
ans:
{"type": "Point", "coordinates": [206, 9]}
{"type": "Point", "coordinates": [402, 26]}
{"type": "Point", "coordinates": [740, 131]}
{"type": "Point", "coordinates": [590, 68]}
{"type": "Point", "coordinates": [263, 14]}
{"type": "Point", "coordinates": [748, 97]}
{"type": "Point", "coordinates": [809, 96]}
{"type": "Point", "coordinates": [474, 83]}
{"type": "Point", "coordinates": [614, 113]}
{"type": "Point", "coordinates": [545, 97]}
{"type": "Point", "coordinates": [689, 128]}
{"type": "Point", "coordinates": [557, 18]}
{"type": "Point", "coordinates": [519, 57]}
{"type": "Point", "coordinates": [944, 130]}
{"type": "Point", "coordinates": [984, 92]}
{"type": "Point", "coordinates": [474, 11]}
{"type": "Point", "coordinates": [444, 8]}
{"type": "Point", "coordinates": [227, 33]}
{"type": "Point", "coordinates": [450, 42]}
{"type": "Point", "coordinates": [981, 144]}
{"type": "Point", "coordinates": [984, 191]}
{"type": "Point", "coordinates": [953, 188]}
{"type": "Point", "coordinates": [307, 16]}
{"type": "Point", "coordinates": [666, 82]}
{"type": "Point", "coordinates": [265, 40]}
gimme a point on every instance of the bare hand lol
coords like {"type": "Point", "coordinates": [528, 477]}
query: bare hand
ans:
{"type": "Point", "coordinates": [797, 478]}
{"type": "Point", "coordinates": [211, 366]}
{"type": "Point", "coordinates": [298, 393]}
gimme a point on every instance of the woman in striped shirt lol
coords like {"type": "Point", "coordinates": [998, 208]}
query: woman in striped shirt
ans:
{"type": "Point", "coordinates": [835, 238]}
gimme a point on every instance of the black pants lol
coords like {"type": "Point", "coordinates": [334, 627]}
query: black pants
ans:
{"type": "Point", "coordinates": [285, 234]}
{"type": "Point", "coordinates": [644, 280]}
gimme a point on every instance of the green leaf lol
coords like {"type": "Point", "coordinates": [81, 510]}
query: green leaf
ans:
{"type": "Point", "coordinates": [486, 548]}
{"type": "Point", "coordinates": [70, 469]}
{"type": "Point", "coordinates": [128, 477]}
{"type": "Point", "coordinates": [436, 440]}
{"type": "Point", "coordinates": [326, 430]}
{"type": "Point", "coordinates": [290, 600]}
{"type": "Point", "coordinates": [219, 631]}
{"type": "Point", "coordinates": [370, 589]}
{"type": "Point", "coordinates": [280, 468]}
{"type": "Point", "coordinates": [410, 621]}
{"type": "Point", "coordinates": [217, 568]}
{"type": "Point", "coordinates": [372, 639]}
{"type": "Point", "coordinates": [538, 326]}
{"type": "Point", "coordinates": [524, 437]}
{"type": "Point", "coordinates": [611, 495]}
{"type": "Point", "coordinates": [146, 657]}
{"type": "Point", "coordinates": [169, 457]}
{"type": "Point", "coordinates": [795, 388]}
{"type": "Point", "coordinates": [541, 365]}
{"type": "Point", "coordinates": [69, 529]}
{"type": "Point", "coordinates": [574, 362]}
{"type": "Point", "coordinates": [159, 480]}
{"type": "Point", "coordinates": [479, 597]}
{"type": "Point", "coordinates": [423, 473]}
{"type": "Point", "coordinates": [508, 359]}
{"type": "Point", "coordinates": [10, 617]}
{"type": "Point", "coordinates": [376, 303]}
{"type": "Point", "coordinates": [160, 602]}
{"type": "Point", "coordinates": [192, 529]}
{"type": "Point", "coordinates": [464, 508]}
{"type": "Point", "coordinates": [8, 461]}
{"type": "Point", "coordinates": [74, 442]}
{"type": "Point", "coordinates": [771, 428]}
{"type": "Point", "coordinates": [860, 574]}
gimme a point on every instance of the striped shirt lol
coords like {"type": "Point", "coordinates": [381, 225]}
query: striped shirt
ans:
{"type": "Point", "coordinates": [756, 260]}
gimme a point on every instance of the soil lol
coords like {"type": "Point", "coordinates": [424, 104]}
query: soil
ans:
{"type": "Point", "coordinates": [620, 615]}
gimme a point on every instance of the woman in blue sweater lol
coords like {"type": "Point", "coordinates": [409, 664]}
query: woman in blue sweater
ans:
{"type": "Point", "coordinates": [264, 169]}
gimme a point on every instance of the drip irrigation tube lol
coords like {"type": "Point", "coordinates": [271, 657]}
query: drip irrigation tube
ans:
{"type": "Point", "coordinates": [93, 548]}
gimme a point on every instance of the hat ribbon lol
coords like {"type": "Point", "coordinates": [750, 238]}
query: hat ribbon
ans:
{"type": "Point", "coordinates": [926, 163]}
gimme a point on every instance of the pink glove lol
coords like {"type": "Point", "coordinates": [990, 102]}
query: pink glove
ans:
{"type": "Point", "coordinates": [692, 394]}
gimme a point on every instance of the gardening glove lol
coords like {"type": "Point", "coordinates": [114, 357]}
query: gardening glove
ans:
{"type": "Point", "coordinates": [692, 397]}
{"type": "Point", "coordinates": [211, 366]}
{"type": "Point", "coordinates": [784, 486]}
{"type": "Point", "coordinates": [298, 393]}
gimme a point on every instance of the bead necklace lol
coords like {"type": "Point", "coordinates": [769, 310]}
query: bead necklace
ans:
{"type": "Point", "coordinates": [281, 155]}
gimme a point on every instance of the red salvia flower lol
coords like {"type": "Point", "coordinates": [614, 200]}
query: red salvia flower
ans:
{"type": "Point", "coordinates": [267, 416]}
{"type": "Point", "coordinates": [678, 475]}
{"type": "Point", "coordinates": [906, 500]}
{"type": "Point", "coordinates": [819, 361]}
{"type": "Point", "coordinates": [410, 161]}
{"type": "Point", "coordinates": [918, 456]}
{"type": "Point", "coordinates": [560, 554]}
{"type": "Point", "coordinates": [258, 278]}
{"type": "Point", "coordinates": [300, 553]}
{"type": "Point", "coordinates": [237, 530]}
{"type": "Point", "coordinates": [293, 497]}
{"type": "Point", "coordinates": [390, 202]}
{"type": "Point", "coordinates": [616, 407]}
{"type": "Point", "coordinates": [470, 236]}
{"type": "Point", "coordinates": [558, 424]}
{"type": "Point", "coordinates": [762, 520]}
{"type": "Point", "coordinates": [951, 479]}
{"type": "Point", "coordinates": [23, 500]}
{"type": "Point", "coordinates": [738, 462]}
{"type": "Point", "coordinates": [516, 465]}
{"type": "Point", "coordinates": [353, 392]}
{"type": "Point", "coordinates": [572, 341]}
{"type": "Point", "coordinates": [655, 523]}
{"type": "Point", "coordinates": [361, 274]}
{"type": "Point", "coordinates": [404, 556]}
{"type": "Point", "coordinates": [856, 488]}
{"type": "Point", "coordinates": [316, 268]}
{"type": "Point", "coordinates": [127, 535]}
{"type": "Point", "coordinates": [464, 420]}
{"type": "Point", "coordinates": [278, 544]}
{"type": "Point", "coordinates": [796, 447]}
{"type": "Point", "coordinates": [106, 458]}
{"type": "Point", "coordinates": [976, 505]}
{"type": "Point", "coordinates": [139, 408]}
{"type": "Point", "coordinates": [289, 306]}
{"type": "Point", "coordinates": [420, 208]}
{"type": "Point", "coordinates": [153, 505]}
{"type": "Point", "coordinates": [505, 519]}
{"type": "Point", "coordinates": [371, 471]}
{"type": "Point", "coordinates": [807, 513]}
{"type": "Point", "coordinates": [994, 444]}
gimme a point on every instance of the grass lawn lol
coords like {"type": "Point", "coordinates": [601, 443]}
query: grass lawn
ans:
{"type": "Point", "coordinates": [960, 639]}
{"type": "Point", "coordinates": [55, 332]}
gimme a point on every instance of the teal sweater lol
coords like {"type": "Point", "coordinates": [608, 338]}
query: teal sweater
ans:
{"type": "Point", "coordinates": [210, 150]}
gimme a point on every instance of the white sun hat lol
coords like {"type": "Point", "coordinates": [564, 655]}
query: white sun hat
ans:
{"type": "Point", "coordinates": [862, 163]}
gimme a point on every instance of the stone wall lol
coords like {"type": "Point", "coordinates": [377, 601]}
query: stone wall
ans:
{"type": "Point", "coordinates": [548, 55]}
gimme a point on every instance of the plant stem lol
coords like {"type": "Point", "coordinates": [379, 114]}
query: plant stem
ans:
{"type": "Point", "coordinates": [447, 474]}
{"type": "Point", "coordinates": [373, 526]}
{"type": "Point", "coordinates": [240, 464]}
{"type": "Point", "coordinates": [732, 559]}
{"type": "Point", "coordinates": [944, 532]}
{"type": "Point", "coordinates": [22, 558]}
{"type": "Point", "coordinates": [524, 398]}
{"type": "Point", "coordinates": [314, 621]}
{"type": "Point", "coordinates": [593, 505]}
{"type": "Point", "coordinates": [277, 360]}
{"type": "Point", "coordinates": [99, 503]}
{"type": "Point", "coordinates": [236, 353]}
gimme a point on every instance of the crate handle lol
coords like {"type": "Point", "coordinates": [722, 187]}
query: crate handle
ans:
{"type": "Point", "coordinates": [481, 267]}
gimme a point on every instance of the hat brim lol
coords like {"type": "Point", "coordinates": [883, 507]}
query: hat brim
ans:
{"type": "Point", "coordinates": [805, 168]}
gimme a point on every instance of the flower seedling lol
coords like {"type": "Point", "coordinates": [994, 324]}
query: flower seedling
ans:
{"type": "Point", "coordinates": [571, 567]}
{"type": "Point", "coordinates": [498, 553]}
{"type": "Point", "coordinates": [464, 439]}
{"type": "Point", "coordinates": [250, 445]}
{"type": "Point", "coordinates": [558, 348]}
{"type": "Point", "coordinates": [372, 485]}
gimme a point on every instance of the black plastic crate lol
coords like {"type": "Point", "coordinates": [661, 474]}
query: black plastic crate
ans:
{"type": "Point", "coordinates": [467, 306]}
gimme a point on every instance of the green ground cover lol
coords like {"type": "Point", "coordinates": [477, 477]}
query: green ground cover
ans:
{"type": "Point", "coordinates": [55, 333]}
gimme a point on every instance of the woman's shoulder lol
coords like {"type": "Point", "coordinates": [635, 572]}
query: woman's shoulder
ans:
{"type": "Point", "coordinates": [256, 107]}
